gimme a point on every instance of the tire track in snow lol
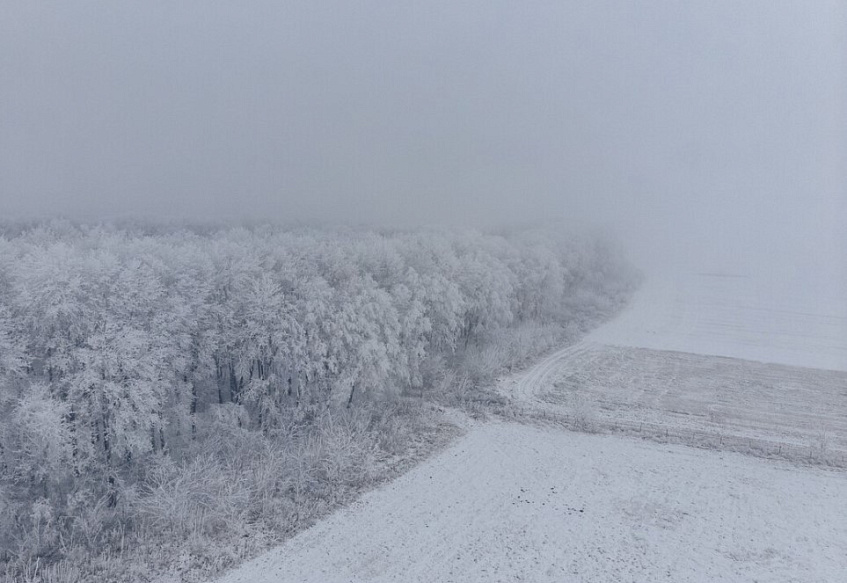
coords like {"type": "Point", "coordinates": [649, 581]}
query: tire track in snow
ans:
{"type": "Point", "coordinates": [528, 387]}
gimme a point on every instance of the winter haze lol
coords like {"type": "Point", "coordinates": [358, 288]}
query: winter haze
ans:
{"type": "Point", "coordinates": [315, 291]}
{"type": "Point", "coordinates": [706, 134]}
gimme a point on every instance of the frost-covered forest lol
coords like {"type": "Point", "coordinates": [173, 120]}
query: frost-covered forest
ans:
{"type": "Point", "coordinates": [185, 395]}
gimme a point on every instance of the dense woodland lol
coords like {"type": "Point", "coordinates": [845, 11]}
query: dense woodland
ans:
{"type": "Point", "coordinates": [172, 384]}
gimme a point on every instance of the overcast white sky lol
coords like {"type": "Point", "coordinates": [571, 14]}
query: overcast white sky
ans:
{"type": "Point", "coordinates": [703, 132]}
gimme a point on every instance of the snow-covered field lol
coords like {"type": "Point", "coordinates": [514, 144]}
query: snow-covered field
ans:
{"type": "Point", "coordinates": [709, 400]}
{"type": "Point", "coordinates": [650, 371]}
{"type": "Point", "coordinates": [507, 502]}
{"type": "Point", "coordinates": [741, 317]}
{"type": "Point", "coordinates": [516, 503]}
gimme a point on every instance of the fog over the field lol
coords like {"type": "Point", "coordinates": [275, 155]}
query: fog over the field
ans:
{"type": "Point", "coordinates": [711, 134]}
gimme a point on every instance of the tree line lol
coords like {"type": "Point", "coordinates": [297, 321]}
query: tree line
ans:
{"type": "Point", "coordinates": [120, 344]}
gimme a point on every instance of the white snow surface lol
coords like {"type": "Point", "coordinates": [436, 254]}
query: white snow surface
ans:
{"type": "Point", "coordinates": [516, 503]}
{"type": "Point", "coordinates": [738, 316]}
{"type": "Point", "coordinates": [509, 502]}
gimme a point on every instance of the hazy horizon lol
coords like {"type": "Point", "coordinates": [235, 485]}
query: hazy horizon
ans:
{"type": "Point", "coordinates": [702, 134]}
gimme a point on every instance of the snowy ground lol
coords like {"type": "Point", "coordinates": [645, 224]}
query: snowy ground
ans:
{"type": "Point", "coordinates": [714, 397]}
{"type": "Point", "coordinates": [740, 317]}
{"type": "Point", "coordinates": [605, 383]}
{"type": "Point", "coordinates": [514, 503]}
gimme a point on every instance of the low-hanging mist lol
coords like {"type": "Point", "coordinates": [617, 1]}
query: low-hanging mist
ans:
{"type": "Point", "coordinates": [706, 134]}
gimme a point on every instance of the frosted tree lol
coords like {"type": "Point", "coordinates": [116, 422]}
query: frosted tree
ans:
{"type": "Point", "coordinates": [269, 345]}
{"type": "Point", "coordinates": [415, 329]}
{"type": "Point", "coordinates": [434, 264]}
{"type": "Point", "coordinates": [36, 438]}
{"type": "Point", "coordinates": [118, 387]}
{"type": "Point", "coordinates": [12, 357]}
{"type": "Point", "coordinates": [488, 289]}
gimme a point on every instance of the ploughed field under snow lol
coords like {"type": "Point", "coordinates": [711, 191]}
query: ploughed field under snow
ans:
{"type": "Point", "coordinates": [677, 389]}
{"type": "Point", "coordinates": [724, 363]}
{"type": "Point", "coordinates": [725, 403]}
